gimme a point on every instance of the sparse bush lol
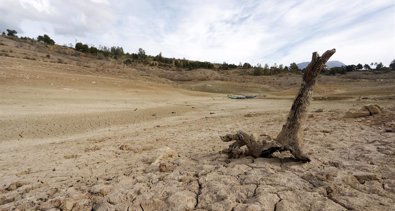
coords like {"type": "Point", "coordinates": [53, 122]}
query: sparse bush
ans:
{"type": "Point", "coordinates": [82, 47]}
{"type": "Point", "coordinates": [46, 39]}
{"type": "Point", "coordinates": [128, 62]}
{"type": "Point", "coordinates": [392, 65]}
{"type": "Point", "coordinates": [246, 66]}
{"type": "Point", "coordinates": [29, 58]}
{"type": "Point", "coordinates": [379, 66]}
{"type": "Point", "coordinates": [5, 54]}
{"type": "Point", "coordinates": [93, 50]}
{"type": "Point", "coordinates": [258, 71]}
{"type": "Point", "coordinates": [11, 32]}
{"type": "Point", "coordinates": [116, 52]}
{"type": "Point", "coordinates": [293, 67]}
{"type": "Point", "coordinates": [141, 54]}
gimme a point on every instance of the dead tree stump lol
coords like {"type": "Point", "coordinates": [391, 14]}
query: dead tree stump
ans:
{"type": "Point", "coordinates": [291, 136]}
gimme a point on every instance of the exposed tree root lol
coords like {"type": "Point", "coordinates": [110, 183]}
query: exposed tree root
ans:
{"type": "Point", "coordinates": [291, 136]}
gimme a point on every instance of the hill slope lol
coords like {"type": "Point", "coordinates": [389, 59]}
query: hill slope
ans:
{"type": "Point", "coordinates": [329, 64]}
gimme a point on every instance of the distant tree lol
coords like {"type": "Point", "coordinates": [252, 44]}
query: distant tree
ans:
{"type": "Point", "coordinates": [11, 32]}
{"type": "Point", "coordinates": [46, 39]}
{"type": "Point", "coordinates": [246, 66]}
{"type": "Point", "coordinates": [367, 67]}
{"type": "Point", "coordinates": [351, 68]}
{"type": "Point", "coordinates": [116, 51]}
{"type": "Point", "coordinates": [104, 50]}
{"type": "Point", "coordinates": [128, 62]}
{"type": "Point", "coordinates": [232, 66]}
{"type": "Point", "coordinates": [159, 57]}
{"type": "Point", "coordinates": [82, 47]}
{"type": "Point", "coordinates": [78, 46]}
{"type": "Point", "coordinates": [293, 67]}
{"type": "Point", "coordinates": [338, 70]}
{"type": "Point", "coordinates": [224, 66]}
{"type": "Point", "coordinates": [379, 66]}
{"type": "Point", "coordinates": [93, 50]}
{"type": "Point", "coordinates": [141, 54]}
{"type": "Point", "coordinates": [258, 71]}
{"type": "Point", "coordinates": [392, 65]}
{"type": "Point", "coordinates": [359, 66]}
{"type": "Point", "coordinates": [3, 33]}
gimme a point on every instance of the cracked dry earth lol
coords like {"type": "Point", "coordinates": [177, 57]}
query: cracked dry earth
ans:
{"type": "Point", "coordinates": [91, 148]}
{"type": "Point", "coordinates": [178, 167]}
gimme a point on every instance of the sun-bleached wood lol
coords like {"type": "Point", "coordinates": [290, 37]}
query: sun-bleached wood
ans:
{"type": "Point", "coordinates": [291, 136]}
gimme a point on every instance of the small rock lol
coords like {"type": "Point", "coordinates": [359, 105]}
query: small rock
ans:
{"type": "Point", "coordinates": [367, 110]}
{"type": "Point", "coordinates": [67, 205]}
{"type": "Point", "coordinates": [268, 200]}
{"type": "Point", "coordinates": [165, 153]}
{"type": "Point", "coordinates": [53, 203]}
{"type": "Point", "coordinates": [101, 189]}
{"type": "Point", "coordinates": [6, 200]}
{"type": "Point", "coordinates": [182, 200]}
{"type": "Point", "coordinates": [165, 167]}
{"type": "Point", "coordinates": [373, 109]}
{"type": "Point", "coordinates": [124, 147]}
{"type": "Point", "coordinates": [249, 115]}
{"type": "Point", "coordinates": [14, 186]}
{"type": "Point", "coordinates": [363, 177]}
{"type": "Point", "coordinates": [92, 148]}
{"type": "Point", "coordinates": [354, 113]}
{"type": "Point", "coordinates": [101, 207]}
{"type": "Point", "coordinates": [83, 204]}
{"type": "Point", "coordinates": [319, 110]}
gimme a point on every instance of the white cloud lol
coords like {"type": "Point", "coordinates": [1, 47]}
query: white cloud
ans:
{"type": "Point", "coordinates": [225, 30]}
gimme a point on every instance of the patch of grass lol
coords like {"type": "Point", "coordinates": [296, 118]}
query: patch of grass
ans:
{"type": "Point", "coordinates": [60, 61]}
{"type": "Point", "coordinates": [5, 54]}
{"type": "Point", "coordinates": [29, 58]}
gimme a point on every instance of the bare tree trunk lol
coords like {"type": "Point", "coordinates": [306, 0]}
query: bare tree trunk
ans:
{"type": "Point", "coordinates": [291, 136]}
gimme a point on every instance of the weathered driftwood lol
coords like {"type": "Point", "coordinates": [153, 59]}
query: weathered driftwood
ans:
{"type": "Point", "coordinates": [291, 136]}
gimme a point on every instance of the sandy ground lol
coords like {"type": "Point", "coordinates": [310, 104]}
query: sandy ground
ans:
{"type": "Point", "coordinates": [79, 141]}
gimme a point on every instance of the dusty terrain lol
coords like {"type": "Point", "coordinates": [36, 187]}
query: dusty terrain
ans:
{"type": "Point", "coordinates": [81, 134]}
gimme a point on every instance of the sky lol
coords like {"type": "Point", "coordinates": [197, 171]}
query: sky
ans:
{"type": "Point", "coordinates": [232, 31]}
